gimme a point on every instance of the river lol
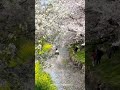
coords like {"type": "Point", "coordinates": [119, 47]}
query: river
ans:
{"type": "Point", "coordinates": [65, 75]}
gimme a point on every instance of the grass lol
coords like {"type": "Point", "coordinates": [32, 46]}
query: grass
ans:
{"type": "Point", "coordinates": [42, 79]}
{"type": "Point", "coordinates": [5, 87]}
{"type": "Point", "coordinates": [109, 69]}
{"type": "Point", "coordinates": [79, 55]}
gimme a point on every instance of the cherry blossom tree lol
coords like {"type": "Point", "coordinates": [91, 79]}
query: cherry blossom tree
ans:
{"type": "Point", "coordinates": [62, 21]}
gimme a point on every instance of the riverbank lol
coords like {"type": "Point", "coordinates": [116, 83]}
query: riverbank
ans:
{"type": "Point", "coordinates": [65, 75]}
{"type": "Point", "coordinates": [107, 73]}
{"type": "Point", "coordinates": [42, 79]}
{"type": "Point", "coordinates": [78, 58]}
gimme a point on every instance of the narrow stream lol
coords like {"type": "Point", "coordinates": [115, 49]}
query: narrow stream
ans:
{"type": "Point", "coordinates": [65, 75]}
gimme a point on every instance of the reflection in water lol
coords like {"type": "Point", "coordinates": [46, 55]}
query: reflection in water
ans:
{"type": "Point", "coordinates": [63, 72]}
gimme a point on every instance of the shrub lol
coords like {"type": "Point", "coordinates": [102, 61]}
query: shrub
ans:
{"type": "Point", "coordinates": [42, 80]}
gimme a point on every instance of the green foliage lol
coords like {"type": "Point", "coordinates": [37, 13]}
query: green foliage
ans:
{"type": "Point", "coordinates": [15, 62]}
{"type": "Point", "coordinates": [5, 87]}
{"type": "Point", "coordinates": [42, 80]}
{"type": "Point", "coordinates": [12, 63]}
{"type": "Point", "coordinates": [26, 50]}
{"type": "Point", "coordinates": [42, 46]}
{"type": "Point", "coordinates": [79, 55]}
{"type": "Point", "coordinates": [108, 71]}
{"type": "Point", "coordinates": [45, 48]}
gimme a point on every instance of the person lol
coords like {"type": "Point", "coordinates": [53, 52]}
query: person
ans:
{"type": "Point", "coordinates": [99, 54]}
{"type": "Point", "coordinates": [93, 57]}
{"type": "Point", "coordinates": [99, 86]}
{"type": "Point", "coordinates": [75, 50]}
{"type": "Point", "coordinates": [111, 51]}
{"type": "Point", "coordinates": [57, 52]}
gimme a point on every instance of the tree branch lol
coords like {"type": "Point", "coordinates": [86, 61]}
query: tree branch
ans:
{"type": "Point", "coordinates": [22, 2]}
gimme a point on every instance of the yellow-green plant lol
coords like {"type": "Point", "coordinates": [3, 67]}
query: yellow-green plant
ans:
{"type": "Point", "coordinates": [42, 79]}
{"type": "Point", "coordinates": [46, 47]}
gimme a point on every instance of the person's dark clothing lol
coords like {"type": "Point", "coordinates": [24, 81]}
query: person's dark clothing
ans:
{"type": "Point", "coordinates": [99, 87]}
{"type": "Point", "coordinates": [94, 58]}
{"type": "Point", "coordinates": [75, 50]}
{"type": "Point", "coordinates": [99, 54]}
{"type": "Point", "coordinates": [109, 53]}
{"type": "Point", "coordinates": [112, 50]}
{"type": "Point", "coordinates": [115, 48]}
